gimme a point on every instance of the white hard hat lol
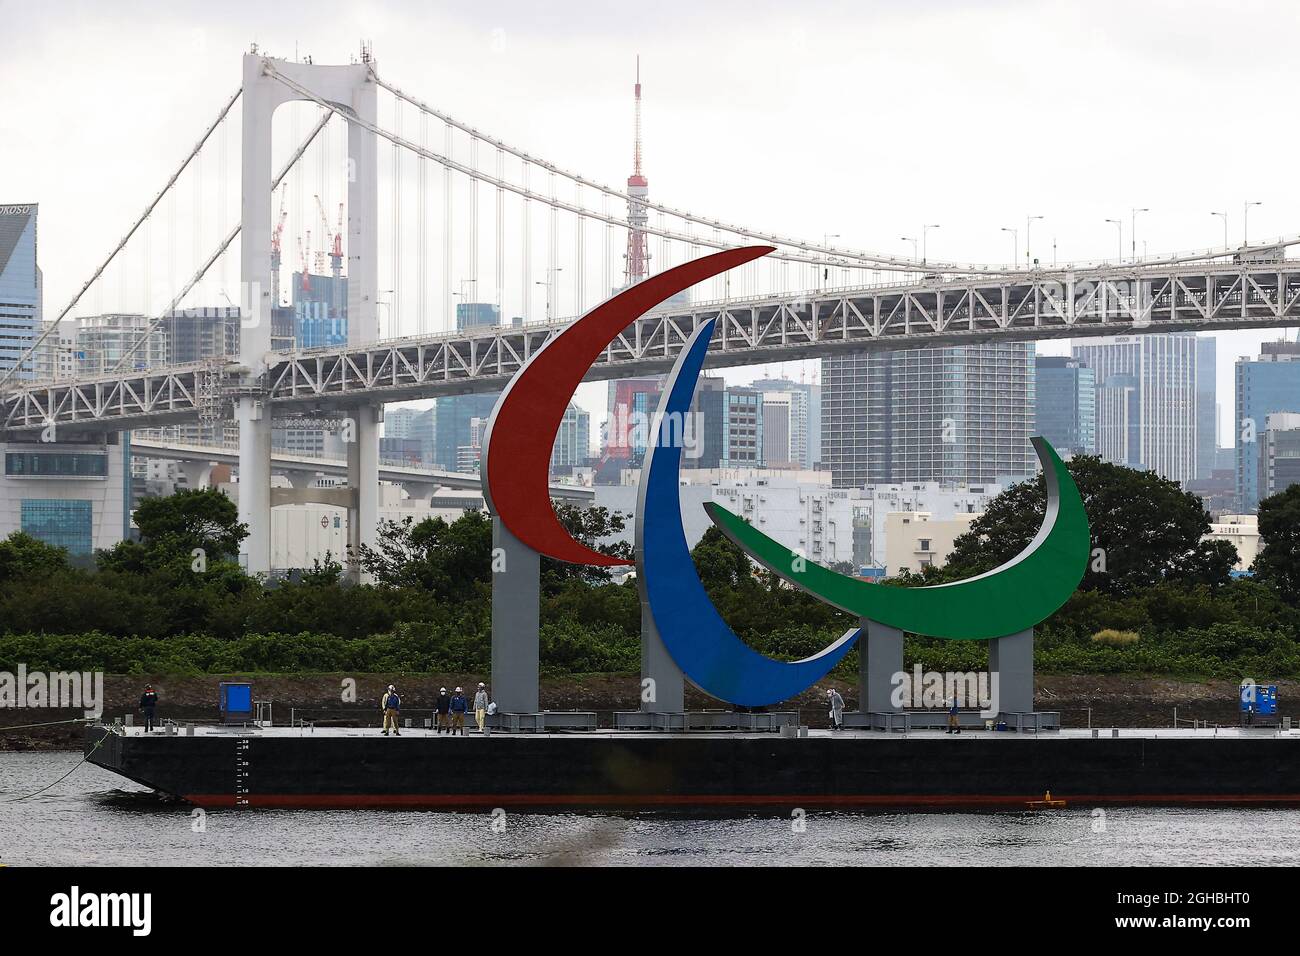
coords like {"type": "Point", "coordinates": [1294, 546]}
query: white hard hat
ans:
{"type": "Point", "coordinates": [458, 690]}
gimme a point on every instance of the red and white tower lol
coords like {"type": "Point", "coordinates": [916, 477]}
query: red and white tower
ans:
{"type": "Point", "coordinates": [637, 266]}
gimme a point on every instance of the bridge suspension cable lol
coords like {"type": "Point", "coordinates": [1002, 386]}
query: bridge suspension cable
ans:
{"type": "Point", "coordinates": [40, 339]}
{"type": "Point", "coordinates": [881, 261]}
{"type": "Point", "coordinates": [223, 245]}
{"type": "Point", "coordinates": [795, 251]}
{"type": "Point", "coordinates": [843, 258]}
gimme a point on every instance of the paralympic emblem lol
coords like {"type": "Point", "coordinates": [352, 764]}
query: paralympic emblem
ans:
{"type": "Point", "coordinates": [1012, 597]}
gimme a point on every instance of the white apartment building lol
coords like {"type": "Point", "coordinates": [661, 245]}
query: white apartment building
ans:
{"type": "Point", "coordinates": [939, 501]}
{"type": "Point", "coordinates": [1242, 532]}
{"type": "Point", "coordinates": [804, 515]}
{"type": "Point", "coordinates": [916, 540]}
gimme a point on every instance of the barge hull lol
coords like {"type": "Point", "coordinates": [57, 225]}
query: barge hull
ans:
{"type": "Point", "coordinates": [708, 772]}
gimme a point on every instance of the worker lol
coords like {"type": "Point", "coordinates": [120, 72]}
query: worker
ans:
{"type": "Point", "coordinates": [391, 705]}
{"type": "Point", "coordinates": [837, 709]}
{"type": "Point", "coordinates": [480, 706]}
{"type": "Point", "coordinates": [442, 708]}
{"type": "Point", "coordinates": [954, 723]}
{"type": "Point", "coordinates": [148, 706]}
{"type": "Point", "coordinates": [458, 707]}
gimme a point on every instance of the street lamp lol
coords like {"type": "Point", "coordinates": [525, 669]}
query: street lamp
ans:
{"type": "Point", "coordinates": [1245, 221]}
{"type": "Point", "coordinates": [1119, 225]}
{"type": "Point", "coordinates": [379, 328]}
{"type": "Point", "coordinates": [1133, 229]}
{"type": "Point", "coordinates": [1015, 245]}
{"type": "Point", "coordinates": [1224, 215]}
{"type": "Point", "coordinates": [461, 294]}
{"type": "Point", "coordinates": [912, 241]}
{"type": "Point", "coordinates": [1028, 221]}
{"type": "Point", "coordinates": [924, 231]}
{"type": "Point", "coordinates": [550, 281]}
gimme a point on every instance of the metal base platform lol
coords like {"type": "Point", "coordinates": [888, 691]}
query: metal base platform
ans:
{"type": "Point", "coordinates": [543, 721]}
{"type": "Point", "coordinates": [703, 720]}
{"type": "Point", "coordinates": [905, 720]}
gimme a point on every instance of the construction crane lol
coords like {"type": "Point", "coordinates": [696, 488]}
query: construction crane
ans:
{"type": "Point", "coordinates": [333, 239]}
{"type": "Point", "coordinates": [325, 226]}
{"type": "Point", "coordinates": [304, 252]}
{"type": "Point", "coordinates": [276, 235]}
{"type": "Point", "coordinates": [336, 252]}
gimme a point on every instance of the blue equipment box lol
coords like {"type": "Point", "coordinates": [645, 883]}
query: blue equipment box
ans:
{"type": "Point", "coordinates": [236, 702]}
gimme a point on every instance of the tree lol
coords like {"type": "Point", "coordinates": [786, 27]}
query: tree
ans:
{"type": "Point", "coordinates": [173, 527]}
{"type": "Point", "coordinates": [591, 527]}
{"type": "Point", "coordinates": [1278, 564]}
{"type": "Point", "coordinates": [452, 561]}
{"type": "Point", "coordinates": [1147, 527]}
{"type": "Point", "coordinates": [22, 555]}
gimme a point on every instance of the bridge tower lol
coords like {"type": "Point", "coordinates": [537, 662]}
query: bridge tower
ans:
{"type": "Point", "coordinates": [351, 90]}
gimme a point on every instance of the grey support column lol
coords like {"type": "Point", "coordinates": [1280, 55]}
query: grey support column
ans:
{"type": "Point", "coordinates": [663, 688]}
{"type": "Point", "coordinates": [363, 482]}
{"type": "Point", "coordinates": [880, 657]}
{"type": "Point", "coordinates": [198, 474]}
{"type": "Point", "coordinates": [516, 602]}
{"type": "Point", "coordinates": [1012, 659]}
{"type": "Point", "coordinates": [260, 98]}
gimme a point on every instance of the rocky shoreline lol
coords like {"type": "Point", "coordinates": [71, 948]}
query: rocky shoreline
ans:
{"type": "Point", "coordinates": [1104, 700]}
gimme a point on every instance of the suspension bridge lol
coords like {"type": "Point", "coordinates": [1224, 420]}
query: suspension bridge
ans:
{"type": "Point", "coordinates": [471, 226]}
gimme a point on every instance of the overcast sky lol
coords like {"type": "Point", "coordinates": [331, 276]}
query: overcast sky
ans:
{"type": "Point", "coordinates": [862, 119]}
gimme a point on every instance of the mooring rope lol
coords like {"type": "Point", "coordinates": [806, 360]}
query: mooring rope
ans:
{"type": "Point", "coordinates": [52, 723]}
{"type": "Point", "coordinates": [34, 793]}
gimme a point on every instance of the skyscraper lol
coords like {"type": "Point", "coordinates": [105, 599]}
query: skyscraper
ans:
{"type": "Point", "coordinates": [742, 429]}
{"type": "Point", "coordinates": [1265, 386]}
{"type": "Point", "coordinates": [103, 342]}
{"type": "Point", "coordinates": [414, 427]}
{"type": "Point", "coordinates": [957, 414]}
{"type": "Point", "coordinates": [320, 308]}
{"type": "Point", "coordinates": [631, 404]}
{"type": "Point", "coordinates": [1119, 421]}
{"type": "Point", "coordinates": [1066, 404]}
{"type": "Point", "coordinates": [1161, 371]}
{"type": "Point", "coordinates": [1207, 406]}
{"type": "Point", "coordinates": [777, 428]}
{"type": "Point", "coordinates": [795, 445]}
{"type": "Point", "coordinates": [1279, 454]}
{"type": "Point", "coordinates": [454, 415]}
{"type": "Point", "coordinates": [193, 335]}
{"type": "Point", "coordinates": [20, 286]}
{"type": "Point", "coordinates": [572, 441]}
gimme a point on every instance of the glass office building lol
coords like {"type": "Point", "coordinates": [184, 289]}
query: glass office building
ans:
{"type": "Point", "coordinates": [320, 308]}
{"type": "Point", "coordinates": [74, 494]}
{"type": "Point", "coordinates": [1161, 370]}
{"type": "Point", "coordinates": [1066, 399]}
{"type": "Point", "coordinates": [454, 415]}
{"type": "Point", "coordinates": [20, 286]}
{"type": "Point", "coordinates": [952, 415]}
{"type": "Point", "coordinates": [64, 523]}
{"type": "Point", "coordinates": [1265, 386]}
